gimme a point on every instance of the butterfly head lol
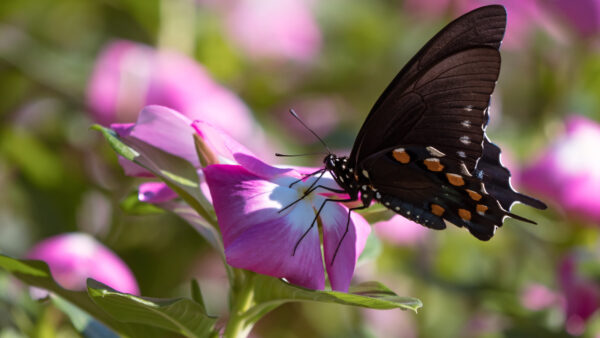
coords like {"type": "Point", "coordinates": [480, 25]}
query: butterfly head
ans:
{"type": "Point", "coordinates": [330, 161]}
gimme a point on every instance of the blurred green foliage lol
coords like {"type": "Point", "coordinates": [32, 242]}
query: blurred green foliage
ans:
{"type": "Point", "coordinates": [51, 162]}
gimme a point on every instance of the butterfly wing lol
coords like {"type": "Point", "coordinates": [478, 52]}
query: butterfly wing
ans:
{"type": "Point", "coordinates": [435, 111]}
{"type": "Point", "coordinates": [449, 81]}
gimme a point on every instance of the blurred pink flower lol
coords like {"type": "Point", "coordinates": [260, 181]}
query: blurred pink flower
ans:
{"type": "Point", "coordinates": [582, 296]}
{"type": "Point", "coordinates": [129, 76]}
{"type": "Point", "coordinates": [259, 236]}
{"type": "Point", "coordinates": [400, 231]}
{"type": "Point", "coordinates": [430, 8]}
{"type": "Point", "coordinates": [320, 113]}
{"type": "Point", "coordinates": [568, 171]}
{"type": "Point", "coordinates": [523, 16]}
{"type": "Point", "coordinates": [274, 29]}
{"type": "Point", "coordinates": [538, 297]}
{"type": "Point", "coordinates": [582, 15]}
{"type": "Point", "coordinates": [74, 257]}
{"type": "Point", "coordinates": [578, 297]}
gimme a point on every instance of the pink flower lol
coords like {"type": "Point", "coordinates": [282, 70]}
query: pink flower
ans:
{"type": "Point", "coordinates": [173, 133]}
{"type": "Point", "coordinates": [538, 297]}
{"type": "Point", "coordinates": [401, 231]}
{"type": "Point", "coordinates": [523, 16]}
{"type": "Point", "coordinates": [129, 76]}
{"type": "Point", "coordinates": [582, 15]}
{"type": "Point", "coordinates": [582, 296]}
{"type": "Point", "coordinates": [568, 171]}
{"type": "Point", "coordinates": [260, 237]}
{"type": "Point", "coordinates": [74, 257]}
{"type": "Point", "coordinates": [321, 113]}
{"type": "Point", "coordinates": [274, 29]}
{"type": "Point", "coordinates": [579, 296]}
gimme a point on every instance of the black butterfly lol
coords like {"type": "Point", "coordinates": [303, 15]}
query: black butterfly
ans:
{"type": "Point", "coordinates": [422, 151]}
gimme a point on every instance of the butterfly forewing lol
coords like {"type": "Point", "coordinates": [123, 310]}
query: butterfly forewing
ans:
{"type": "Point", "coordinates": [481, 28]}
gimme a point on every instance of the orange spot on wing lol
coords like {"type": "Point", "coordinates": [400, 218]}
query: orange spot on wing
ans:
{"type": "Point", "coordinates": [433, 164]}
{"type": "Point", "coordinates": [474, 195]}
{"type": "Point", "coordinates": [437, 209]}
{"type": "Point", "coordinates": [481, 208]}
{"type": "Point", "coordinates": [401, 155]}
{"type": "Point", "coordinates": [464, 214]}
{"type": "Point", "coordinates": [455, 179]}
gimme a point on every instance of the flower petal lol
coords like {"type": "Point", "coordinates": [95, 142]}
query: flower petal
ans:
{"type": "Point", "coordinates": [259, 238]}
{"type": "Point", "coordinates": [219, 141]}
{"type": "Point", "coordinates": [155, 192]}
{"type": "Point", "coordinates": [74, 257]}
{"type": "Point", "coordinates": [167, 130]}
{"type": "Point", "coordinates": [268, 248]}
{"type": "Point", "coordinates": [242, 198]}
{"type": "Point", "coordinates": [256, 236]}
{"type": "Point", "coordinates": [258, 167]}
{"type": "Point", "coordinates": [334, 217]}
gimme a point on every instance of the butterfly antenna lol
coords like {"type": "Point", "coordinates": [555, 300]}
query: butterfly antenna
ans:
{"type": "Point", "coordinates": [311, 131]}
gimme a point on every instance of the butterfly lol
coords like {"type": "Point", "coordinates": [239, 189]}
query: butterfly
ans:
{"type": "Point", "coordinates": [422, 151]}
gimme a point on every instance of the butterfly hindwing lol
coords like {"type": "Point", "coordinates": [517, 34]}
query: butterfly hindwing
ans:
{"type": "Point", "coordinates": [432, 189]}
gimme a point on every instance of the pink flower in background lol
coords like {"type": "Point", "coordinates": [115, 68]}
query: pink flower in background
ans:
{"type": "Point", "coordinates": [523, 16]}
{"type": "Point", "coordinates": [569, 170]}
{"type": "Point", "coordinates": [129, 76]}
{"type": "Point", "coordinates": [173, 133]}
{"type": "Point", "coordinates": [582, 296]}
{"type": "Point", "coordinates": [74, 257]}
{"type": "Point", "coordinates": [321, 113]}
{"type": "Point", "coordinates": [537, 297]}
{"type": "Point", "coordinates": [578, 297]}
{"type": "Point", "coordinates": [400, 231]}
{"type": "Point", "coordinates": [274, 29]}
{"type": "Point", "coordinates": [582, 15]}
{"type": "Point", "coordinates": [258, 237]}
{"type": "Point", "coordinates": [430, 8]}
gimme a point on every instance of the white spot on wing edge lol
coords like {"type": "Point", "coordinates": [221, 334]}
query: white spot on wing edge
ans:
{"type": "Point", "coordinates": [465, 139]}
{"type": "Point", "coordinates": [435, 152]}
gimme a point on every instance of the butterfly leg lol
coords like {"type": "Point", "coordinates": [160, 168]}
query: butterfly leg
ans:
{"type": "Point", "coordinates": [364, 206]}
{"type": "Point", "coordinates": [321, 171]}
{"type": "Point", "coordinates": [315, 219]}
{"type": "Point", "coordinates": [309, 191]}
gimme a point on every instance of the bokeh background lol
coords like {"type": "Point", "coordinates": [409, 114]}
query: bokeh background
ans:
{"type": "Point", "coordinates": [241, 64]}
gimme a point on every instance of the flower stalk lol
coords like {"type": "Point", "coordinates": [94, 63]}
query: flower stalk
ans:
{"type": "Point", "coordinates": [242, 299]}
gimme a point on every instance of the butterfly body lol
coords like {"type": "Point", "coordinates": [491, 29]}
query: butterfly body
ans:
{"type": "Point", "coordinates": [422, 151]}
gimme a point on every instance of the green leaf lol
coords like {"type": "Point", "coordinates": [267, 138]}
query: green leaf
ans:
{"type": "Point", "coordinates": [83, 322]}
{"type": "Point", "coordinates": [197, 294]}
{"type": "Point", "coordinates": [38, 162]}
{"type": "Point", "coordinates": [270, 292]}
{"type": "Point", "coordinates": [176, 172]}
{"type": "Point", "coordinates": [376, 213]}
{"type": "Point", "coordinates": [179, 315]}
{"type": "Point", "coordinates": [36, 273]}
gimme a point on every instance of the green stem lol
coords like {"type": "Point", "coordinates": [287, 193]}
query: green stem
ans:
{"type": "Point", "coordinates": [242, 299]}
